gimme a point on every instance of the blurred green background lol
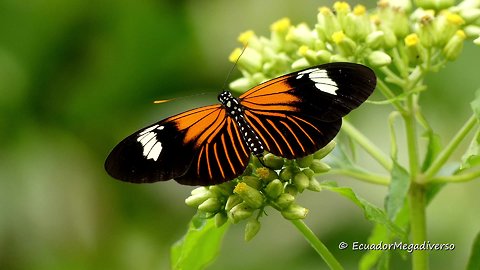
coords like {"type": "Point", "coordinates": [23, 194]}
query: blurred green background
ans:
{"type": "Point", "coordinates": [78, 76]}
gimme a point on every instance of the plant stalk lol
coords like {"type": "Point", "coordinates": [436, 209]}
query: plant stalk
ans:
{"type": "Point", "coordinates": [443, 156]}
{"type": "Point", "coordinates": [418, 230]}
{"type": "Point", "coordinates": [319, 247]}
{"type": "Point", "coordinates": [368, 145]}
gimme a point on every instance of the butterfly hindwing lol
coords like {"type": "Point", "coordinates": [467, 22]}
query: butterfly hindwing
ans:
{"type": "Point", "coordinates": [221, 157]}
{"type": "Point", "coordinates": [291, 135]}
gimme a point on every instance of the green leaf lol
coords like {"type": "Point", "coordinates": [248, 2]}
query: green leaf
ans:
{"type": "Point", "coordinates": [475, 104]}
{"type": "Point", "coordinates": [432, 189]}
{"type": "Point", "coordinates": [373, 257]}
{"type": "Point", "coordinates": [434, 147]}
{"type": "Point", "coordinates": [471, 157]}
{"type": "Point", "coordinates": [397, 191]}
{"type": "Point", "coordinates": [381, 258]}
{"type": "Point", "coordinates": [199, 246]}
{"type": "Point", "coordinates": [370, 211]}
{"type": "Point", "coordinates": [474, 261]}
{"type": "Point", "coordinates": [339, 159]}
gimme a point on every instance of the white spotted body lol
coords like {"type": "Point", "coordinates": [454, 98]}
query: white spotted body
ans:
{"type": "Point", "coordinates": [235, 110]}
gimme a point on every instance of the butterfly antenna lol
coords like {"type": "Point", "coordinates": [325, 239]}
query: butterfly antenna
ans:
{"type": "Point", "coordinates": [172, 99]}
{"type": "Point", "coordinates": [234, 66]}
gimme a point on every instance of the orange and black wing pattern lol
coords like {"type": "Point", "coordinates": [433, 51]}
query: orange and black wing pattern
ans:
{"type": "Point", "coordinates": [291, 116]}
{"type": "Point", "coordinates": [297, 114]}
{"type": "Point", "coordinates": [198, 147]}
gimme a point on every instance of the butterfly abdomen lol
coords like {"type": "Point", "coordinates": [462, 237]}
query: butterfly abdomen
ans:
{"type": "Point", "coordinates": [235, 110]}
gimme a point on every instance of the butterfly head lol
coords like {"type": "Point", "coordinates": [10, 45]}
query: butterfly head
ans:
{"type": "Point", "coordinates": [225, 96]}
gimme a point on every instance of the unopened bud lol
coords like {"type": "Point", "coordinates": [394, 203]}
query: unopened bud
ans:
{"type": "Point", "coordinates": [251, 229]}
{"type": "Point", "coordinates": [233, 200]}
{"type": "Point", "coordinates": [477, 41]}
{"type": "Point", "coordinates": [294, 211]}
{"type": "Point", "coordinates": [345, 44]}
{"type": "Point", "coordinates": [323, 56]}
{"type": "Point", "coordinates": [375, 39]}
{"type": "Point", "coordinates": [266, 174]}
{"type": "Point", "coordinates": [241, 84]}
{"type": "Point", "coordinates": [286, 174]}
{"type": "Point", "coordinates": [291, 189]}
{"type": "Point", "coordinates": [211, 205]}
{"type": "Point", "coordinates": [252, 181]}
{"type": "Point", "coordinates": [251, 60]}
{"type": "Point", "coordinates": [379, 59]}
{"type": "Point", "coordinates": [249, 195]}
{"type": "Point", "coordinates": [305, 161]}
{"type": "Point", "coordinates": [325, 150]}
{"type": "Point", "coordinates": [301, 181]}
{"type": "Point", "coordinates": [240, 212]}
{"type": "Point", "coordinates": [198, 198]}
{"type": "Point", "coordinates": [327, 23]}
{"type": "Point", "coordinates": [319, 166]}
{"type": "Point", "coordinates": [454, 46]}
{"type": "Point", "coordinates": [220, 219]}
{"type": "Point", "coordinates": [309, 172]}
{"type": "Point", "coordinates": [284, 200]}
{"type": "Point", "coordinates": [274, 189]}
{"type": "Point", "coordinates": [273, 161]}
{"type": "Point", "coordinates": [314, 185]}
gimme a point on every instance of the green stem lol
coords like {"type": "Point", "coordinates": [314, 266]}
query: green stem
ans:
{"type": "Point", "coordinates": [442, 158]}
{"type": "Point", "coordinates": [319, 247]}
{"type": "Point", "coordinates": [392, 77]}
{"type": "Point", "coordinates": [411, 130]}
{"type": "Point", "coordinates": [368, 145]}
{"type": "Point", "coordinates": [389, 94]}
{"type": "Point", "coordinates": [464, 177]}
{"type": "Point", "coordinates": [418, 231]}
{"type": "Point", "coordinates": [363, 176]}
{"type": "Point", "coordinates": [416, 196]}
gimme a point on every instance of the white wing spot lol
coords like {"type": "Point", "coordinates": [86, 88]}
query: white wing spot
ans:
{"type": "Point", "coordinates": [303, 72]}
{"type": "Point", "coordinates": [321, 79]}
{"type": "Point", "coordinates": [149, 129]}
{"type": "Point", "coordinates": [155, 151]}
{"type": "Point", "coordinates": [323, 82]}
{"type": "Point", "coordinates": [151, 147]}
{"type": "Point", "coordinates": [229, 104]}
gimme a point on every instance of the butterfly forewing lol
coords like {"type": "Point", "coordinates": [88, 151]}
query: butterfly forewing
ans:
{"type": "Point", "coordinates": [156, 153]}
{"type": "Point", "coordinates": [197, 147]}
{"type": "Point", "coordinates": [299, 113]}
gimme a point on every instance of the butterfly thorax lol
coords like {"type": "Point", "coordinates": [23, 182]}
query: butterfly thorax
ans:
{"type": "Point", "coordinates": [235, 110]}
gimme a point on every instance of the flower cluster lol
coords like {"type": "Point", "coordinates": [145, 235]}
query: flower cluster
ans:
{"type": "Point", "coordinates": [431, 34]}
{"type": "Point", "coordinates": [276, 186]}
{"type": "Point", "coordinates": [400, 42]}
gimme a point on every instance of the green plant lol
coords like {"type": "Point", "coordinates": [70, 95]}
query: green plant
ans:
{"type": "Point", "coordinates": [403, 44]}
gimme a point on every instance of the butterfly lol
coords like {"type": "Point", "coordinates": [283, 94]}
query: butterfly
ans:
{"type": "Point", "coordinates": [291, 116]}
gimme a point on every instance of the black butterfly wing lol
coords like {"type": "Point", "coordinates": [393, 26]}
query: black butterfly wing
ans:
{"type": "Point", "coordinates": [299, 113]}
{"type": "Point", "coordinates": [197, 147]}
